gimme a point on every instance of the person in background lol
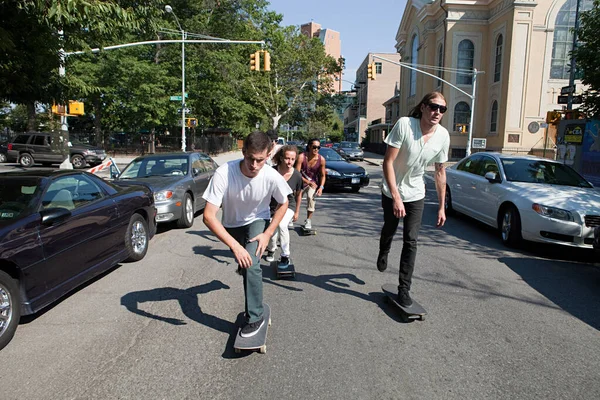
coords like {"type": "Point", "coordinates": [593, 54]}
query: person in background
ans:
{"type": "Point", "coordinates": [312, 167]}
{"type": "Point", "coordinates": [273, 135]}
{"type": "Point", "coordinates": [285, 160]}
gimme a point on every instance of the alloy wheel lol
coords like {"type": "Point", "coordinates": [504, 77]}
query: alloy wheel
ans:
{"type": "Point", "coordinates": [6, 310]}
{"type": "Point", "coordinates": [138, 237]}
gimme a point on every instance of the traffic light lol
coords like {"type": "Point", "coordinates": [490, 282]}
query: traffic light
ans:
{"type": "Point", "coordinates": [371, 71]}
{"type": "Point", "coordinates": [553, 117]}
{"type": "Point", "coordinates": [192, 122]}
{"type": "Point", "coordinates": [267, 66]}
{"type": "Point", "coordinates": [255, 61]}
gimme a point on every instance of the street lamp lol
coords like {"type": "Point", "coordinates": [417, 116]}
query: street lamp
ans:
{"type": "Point", "coordinates": [169, 9]}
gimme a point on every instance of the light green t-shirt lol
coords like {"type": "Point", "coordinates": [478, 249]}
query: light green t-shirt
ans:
{"type": "Point", "coordinates": [414, 156]}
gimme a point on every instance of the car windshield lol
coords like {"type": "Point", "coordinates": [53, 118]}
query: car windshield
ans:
{"type": "Point", "coordinates": [17, 195]}
{"type": "Point", "coordinates": [330, 155]}
{"type": "Point", "coordinates": [350, 145]}
{"type": "Point", "coordinates": [540, 171]}
{"type": "Point", "coordinates": [156, 166]}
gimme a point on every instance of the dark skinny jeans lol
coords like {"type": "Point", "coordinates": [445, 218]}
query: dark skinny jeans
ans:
{"type": "Point", "coordinates": [411, 226]}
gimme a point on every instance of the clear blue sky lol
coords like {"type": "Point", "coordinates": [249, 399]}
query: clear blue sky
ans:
{"type": "Point", "coordinates": [365, 26]}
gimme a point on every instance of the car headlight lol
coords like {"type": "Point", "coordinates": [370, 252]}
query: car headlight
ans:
{"type": "Point", "coordinates": [341, 151]}
{"type": "Point", "coordinates": [552, 212]}
{"type": "Point", "coordinates": [163, 195]}
{"type": "Point", "coordinates": [332, 172]}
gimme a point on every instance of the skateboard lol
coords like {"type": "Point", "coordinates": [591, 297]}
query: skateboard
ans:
{"type": "Point", "coordinates": [306, 232]}
{"type": "Point", "coordinates": [414, 311]}
{"type": "Point", "coordinates": [290, 271]}
{"type": "Point", "coordinates": [258, 341]}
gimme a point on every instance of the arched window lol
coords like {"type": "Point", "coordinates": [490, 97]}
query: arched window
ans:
{"type": "Point", "coordinates": [466, 55]}
{"type": "Point", "coordinates": [494, 117]}
{"type": "Point", "coordinates": [498, 65]}
{"type": "Point", "coordinates": [440, 74]}
{"type": "Point", "coordinates": [414, 55]}
{"type": "Point", "coordinates": [563, 38]}
{"type": "Point", "coordinates": [462, 115]}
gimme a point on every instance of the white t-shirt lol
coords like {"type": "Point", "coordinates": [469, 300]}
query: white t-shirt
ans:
{"type": "Point", "coordinates": [414, 156]}
{"type": "Point", "coordinates": [244, 199]}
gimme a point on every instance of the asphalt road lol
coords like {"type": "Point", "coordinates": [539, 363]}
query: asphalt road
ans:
{"type": "Point", "coordinates": [501, 324]}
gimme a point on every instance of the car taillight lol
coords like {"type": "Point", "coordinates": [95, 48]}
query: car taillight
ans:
{"type": "Point", "coordinates": [9, 147]}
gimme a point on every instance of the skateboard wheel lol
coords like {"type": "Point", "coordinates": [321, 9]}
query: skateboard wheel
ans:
{"type": "Point", "coordinates": [422, 318]}
{"type": "Point", "coordinates": [237, 351]}
{"type": "Point", "coordinates": [269, 321]}
{"type": "Point", "coordinates": [262, 350]}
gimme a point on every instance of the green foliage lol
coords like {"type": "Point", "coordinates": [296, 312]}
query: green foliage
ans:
{"type": "Point", "coordinates": [588, 58]}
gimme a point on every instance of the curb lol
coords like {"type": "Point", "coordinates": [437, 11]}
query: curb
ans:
{"type": "Point", "coordinates": [373, 162]}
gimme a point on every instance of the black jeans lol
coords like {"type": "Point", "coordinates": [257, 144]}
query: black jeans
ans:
{"type": "Point", "coordinates": [410, 234]}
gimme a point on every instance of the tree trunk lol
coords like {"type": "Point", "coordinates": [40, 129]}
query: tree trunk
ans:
{"type": "Point", "coordinates": [151, 147]}
{"type": "Point", "coordinates": [276, 119]}
{"type": "Point", "coordinates": [31, 125]}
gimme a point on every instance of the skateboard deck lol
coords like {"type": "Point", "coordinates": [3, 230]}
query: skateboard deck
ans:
{"type": "Point", "coordinates": [258, 341]}
{"type": "Point", "coordinates": [414, 311]}
{"type": "Point", "coordinates": [306, 232]}
{"type": "Point", "coordinates": [290, 271]}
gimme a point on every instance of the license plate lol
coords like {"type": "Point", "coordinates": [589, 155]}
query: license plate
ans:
{"type": "Point", "coordinates": [355, 180]}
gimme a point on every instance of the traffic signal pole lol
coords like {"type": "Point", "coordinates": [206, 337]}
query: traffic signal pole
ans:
{"type": "Point", "coordinates": [471, 95]}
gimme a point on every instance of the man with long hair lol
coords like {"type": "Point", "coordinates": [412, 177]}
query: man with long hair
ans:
{"type": "Point", "coordinates": [413, 143]}
{"type": "Point", "coordinates": [312, 167]}
{"type": "Point", "coordinates": [244, 188]}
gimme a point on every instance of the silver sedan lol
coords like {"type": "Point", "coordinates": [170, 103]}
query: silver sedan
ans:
{"type": "Point", "coordinates": [525, 198]}
{"type": "Point", "coordinates": [178, 181]}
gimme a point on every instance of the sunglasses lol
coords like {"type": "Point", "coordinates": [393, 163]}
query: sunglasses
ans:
{"type": "Point", "coordinates": [316, 147]}
{"type": "Point", "coordinates": [436, 107]}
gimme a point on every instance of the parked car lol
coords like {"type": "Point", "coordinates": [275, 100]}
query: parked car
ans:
{"type": "Point", "coordinates": [341, 173]}
{"type": "Point", "coordinates": [178, 181]}
{"type": "Point", "coordinates": [351, 151]}
{"type": "Point", "coordinates": [3, 152]}
{"type": "Point", "coordinates": [326, 143]}
{"type": "Point", "coordinates": [31, 148]}
{"type": "Point", "coordinates": [525, 198]}
{"type": "Point", "coordinates": [59, 229]}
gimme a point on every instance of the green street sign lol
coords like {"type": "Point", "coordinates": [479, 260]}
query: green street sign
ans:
{"type": "Point", "coordinates": [177, 98]}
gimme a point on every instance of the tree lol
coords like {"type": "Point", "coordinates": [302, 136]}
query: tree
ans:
{"type": "Point", "coordinates": [300, 70]}
{"type": "Point", "coordinates": [587, 55]}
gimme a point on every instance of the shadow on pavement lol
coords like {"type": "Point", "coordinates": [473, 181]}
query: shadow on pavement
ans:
{"type": "Point", "coordinates": [575, 288]}
{"type": "Point", "coordinates": [188, 301]}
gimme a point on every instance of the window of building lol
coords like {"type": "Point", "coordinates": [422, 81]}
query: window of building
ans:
{"type": "Point", "coordinates": [563, 38]}
{"type": "Point", "coordinates": [414, 55]}
{"type": "Point", "coordinates": [498, 66]}
{"type": "Point", "coordinates": [494, 117]}
{"type": "Point", "coordinates": [462, 115]}
{"type": "Point", "coordinates": [466, 56]}
{"type": "Point", "coordinates": [378, 68]}
{"type": "Point", "coordinates": [440, 64]}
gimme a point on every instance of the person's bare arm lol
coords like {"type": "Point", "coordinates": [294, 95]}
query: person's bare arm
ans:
{"type": "Point", "coordinates": [323, 176]}
{"type": "Point", "coordinates": [390, 178]}
{"type": "Point", "coordinates": [242, 257]}
{"type": "Point", "coordinates": [298, 201]}
{"type": "Point", "coordinates": [440, 187]}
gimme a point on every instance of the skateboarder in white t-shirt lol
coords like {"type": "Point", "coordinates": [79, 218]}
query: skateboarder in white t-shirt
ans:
{"type": "Point", "coordinates": [244, 189]}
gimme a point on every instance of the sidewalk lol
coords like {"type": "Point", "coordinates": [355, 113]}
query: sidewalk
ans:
{"type": "Point", "coordinates": [377, 159]}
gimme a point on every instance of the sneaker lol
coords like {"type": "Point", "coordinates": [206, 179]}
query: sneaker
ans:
{"type": "Point", "coordinates": [291, 224]}
{"type": "Point", "coordinates": [284, 262]}
{"type": "Point", "coordinates": [404, 298]}
{"type": "Point", "coordinates": [382, 261]}
{"type": "Point", "coordinates": [252, 328]}
{"type": "Point", "coordinates": [307, 224]}
{"type": "Point", "coordinates": [270, 256]}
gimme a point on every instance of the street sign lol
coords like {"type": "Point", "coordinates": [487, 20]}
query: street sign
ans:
{"type": "Point", "coordinates": [565, 99]}
{"type": "Point", "coordinates": [479, 143]}
{"type": "Point", "coordinates": [567, 89]}
{"type": "Point", "coordinates": [177, 98]}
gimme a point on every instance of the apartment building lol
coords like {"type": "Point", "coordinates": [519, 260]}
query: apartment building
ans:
{"type": "Point", "coordinates": [522, 46]}
{"type": "Point", "coordinates": [332, 43]}
{"type": "Point", "coordinates": [371, 95]}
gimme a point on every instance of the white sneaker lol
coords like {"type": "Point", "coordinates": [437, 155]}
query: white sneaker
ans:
{"type": "Point", "coordinates": [291, 224]}
{"type": "Point", "coordinates": [307, 224]}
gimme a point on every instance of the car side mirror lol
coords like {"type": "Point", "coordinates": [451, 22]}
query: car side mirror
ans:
{"type": "Point", "coordinates": [492, 177]}
{"type": "Point", "coordinates": [52, 216]}
{"type": "Point", "coordinates": [196, 171]}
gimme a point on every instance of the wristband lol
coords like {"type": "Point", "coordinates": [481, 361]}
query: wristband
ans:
{"type": "Point", "coordinates": [321, 187]}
